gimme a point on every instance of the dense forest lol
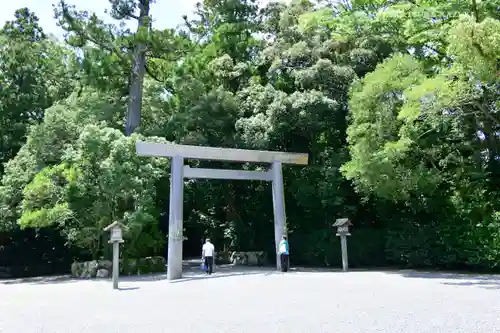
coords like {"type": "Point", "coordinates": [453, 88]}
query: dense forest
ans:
{"type": "Point", "coordinates": [396, 103]}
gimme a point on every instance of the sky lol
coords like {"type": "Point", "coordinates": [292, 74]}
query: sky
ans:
{"type": "Point", "coordinates": [166, 13]}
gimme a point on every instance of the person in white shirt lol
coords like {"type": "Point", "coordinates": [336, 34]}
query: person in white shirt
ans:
{"type": "Point", "coordinates": [207, 254]}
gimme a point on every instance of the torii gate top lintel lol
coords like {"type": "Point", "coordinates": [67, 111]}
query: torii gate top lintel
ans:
{"type": "Point", "coordinates": [219, 154]}
{"type": "Point", "coordinates": [179, 172]}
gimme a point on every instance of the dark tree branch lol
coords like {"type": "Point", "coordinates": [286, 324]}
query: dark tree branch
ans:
{"type": "Point", "coordinates": [151, 74]}
{"type": "Point", "coordinates": [475, 11]}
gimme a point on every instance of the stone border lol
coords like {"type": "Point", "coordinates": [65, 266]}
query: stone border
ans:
{"type": "Point", "coordinates": [128, 267]}
{"type": "Point", "coordinates": [249, 258]}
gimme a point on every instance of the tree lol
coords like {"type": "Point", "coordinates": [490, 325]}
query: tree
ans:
{"type": "Point", "coordinates": [46, 143]}
{"type": "Point", "coordinates": [126, 10]}
{"type": "Point", "coordinates": [34, 73]}
{"type": "Point", "coordinates": [100, 180]}
{"type": "Point", "coordinates": [120, 50]}
{"type": "Point", "coordinates": [424, 138]}
{"type": "Point", "coordinates": [396, 103]}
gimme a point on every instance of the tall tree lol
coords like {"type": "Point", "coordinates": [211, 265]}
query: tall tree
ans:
{"type": "Point", "coordinates": [125, 10]}
{"type": "Point", "coordinates": [110, 51]}
{"type": "Point", "coordinates": [34, 73]}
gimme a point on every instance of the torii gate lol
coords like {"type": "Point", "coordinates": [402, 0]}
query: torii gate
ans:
{"type": "Point", "coordinates": [179, 171]}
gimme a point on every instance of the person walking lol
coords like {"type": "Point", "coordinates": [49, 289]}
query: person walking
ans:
{"type": "Point", "coordinates": [283, 252]}
{"type": "Point", "coordinates": [207, 255]}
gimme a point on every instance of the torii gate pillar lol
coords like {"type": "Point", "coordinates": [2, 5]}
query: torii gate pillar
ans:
{"type": "Point", "coordinates": [179, 171]}
{"type": "Point", "coordinates": [175, 223]}
{"type": "Point", "coordinates": [278, 208]}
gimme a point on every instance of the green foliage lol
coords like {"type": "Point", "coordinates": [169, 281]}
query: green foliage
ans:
{"type": "Point", "coordinates": [424, 136]}
{"type": "Point", "coordinates": [142, 266]}
{"type": "Point", "coordinates": [35, 72]}
{"type": "Point", "coordinates": [376, 147]}
{"type": "Point", "coordinates": [396, 103]}
{"type": "Point", "coordinates": [102, 180]}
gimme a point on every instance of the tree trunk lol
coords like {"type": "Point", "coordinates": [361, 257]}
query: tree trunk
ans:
{"type": "Point", "coordinates": [137, 75]}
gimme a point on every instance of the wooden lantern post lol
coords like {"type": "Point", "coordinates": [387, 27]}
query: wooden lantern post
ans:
{"type": "Point", "coordinates": [116, 238]}
{"type": "Point", "coordinates": [343, 231]}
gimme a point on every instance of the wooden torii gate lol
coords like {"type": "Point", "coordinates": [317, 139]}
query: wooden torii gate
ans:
{"type": "Point", "coordinates": [179, 171]}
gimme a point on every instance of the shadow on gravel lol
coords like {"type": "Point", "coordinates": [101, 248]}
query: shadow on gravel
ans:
{"type": "Point", "coordinates": [227, 271]}
{"type": "Point", "coordinates": [217, 275]}
{"type": "Point", "coordinates": [40, 280]}
{"type": "Point", "coordinates": [128, 288]}
{"type": "Point", "coordinates": [486, 281]}
{"type": "Point", "coordinates": [195, 274]}
{"type": "Point", "coordinates": [191, 272]}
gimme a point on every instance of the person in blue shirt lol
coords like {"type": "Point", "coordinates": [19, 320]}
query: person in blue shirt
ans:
{"type": "Point", "coordinates": [284, 253]}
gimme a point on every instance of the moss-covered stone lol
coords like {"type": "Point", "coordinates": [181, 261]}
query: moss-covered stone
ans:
{"type": "Point", "coordinates": [90, 269]}
{"type": "Point", "coordinates": [105, 264]}
{"type": "Point", "coordinates": [128, 267]}
{"type": "Point", "coordinates": [223, 258]}
{"type": "Point", "coordinates": [76, 269]}
{"type": "Point", "coordinates": [252, 258]}
{"type": "Point", "coordinates": [158, 264]}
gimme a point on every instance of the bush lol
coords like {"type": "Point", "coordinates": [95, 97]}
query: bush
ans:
{"type": "Point", "coordinates": [30, 252]}
{"type": "Point", "coordinates": [322, 248]}
{"type": "Point", "coordinates": [458, 244]}
{"type": "Point", "coordinates": [140, 266]}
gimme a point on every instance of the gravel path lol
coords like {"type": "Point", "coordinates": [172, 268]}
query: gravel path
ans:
{"type": "Point", "coordinates": [257, 301]}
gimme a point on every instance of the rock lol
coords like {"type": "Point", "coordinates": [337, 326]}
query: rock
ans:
{"type": "Point", "coordinates": [128, 267]}
{"type": "Point", "coordinates": [87, 269]}
{"type": "Point", "coordinates": [77, 269]}
{"type": "Point", "coordinates": [143, 266]}
{"type": "Point", "coordinates": [106, 264]}
{"type": "Point", "coordinates": [158, 264]}
{"type": "Point", "coordinates": [150, 265]}
{"type": "Point", "coordinates": [102, 273]}
{"type": "Point", "coordinates": [253, 258]}
{"type": "Point", "coordinates": [91, 269]}
{"type": "Point", "coordinates": [223, 258]}
{"type": "Point", "coordinates": [239, 258]}
{"type": "Point", "coordinates": [5, 272]}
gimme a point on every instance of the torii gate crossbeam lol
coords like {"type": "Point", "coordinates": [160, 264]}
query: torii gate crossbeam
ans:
{"type": "Point", "coordinates": [179, 171]}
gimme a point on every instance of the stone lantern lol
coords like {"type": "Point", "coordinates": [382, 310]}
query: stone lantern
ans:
{"type": "Point", "coordinates": [342, 226]}
{"type": "Point", "coordinates": [116, 238]}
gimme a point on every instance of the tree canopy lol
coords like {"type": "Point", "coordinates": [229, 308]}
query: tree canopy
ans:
{"type": "Point", "coordinates": [396, 103]}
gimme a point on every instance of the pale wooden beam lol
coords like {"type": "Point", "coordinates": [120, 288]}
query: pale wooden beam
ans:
{"type": "Point", "coordinates": [219, 154]}
{"type": "Point", "coordinates": [226, 174]}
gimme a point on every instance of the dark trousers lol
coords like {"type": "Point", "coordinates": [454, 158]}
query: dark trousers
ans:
{"type": "Point", "coordinates": [284, 262]}
{"type": "Point", "coordinates": [209, 264]}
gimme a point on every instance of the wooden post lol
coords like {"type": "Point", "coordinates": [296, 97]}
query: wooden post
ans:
{"type": "Point", "coordinates": [343, 248]}
{"type": "Point", "coordinates": [116, 263]}
{"type": "Point", "coordinates": [115, 230]}
{"type": "Point", "coordinates": [342, 226]}
{"type": "Point", "coordinates": [278, 208]}
{"type": "Point", "coordinates": [175, 223]}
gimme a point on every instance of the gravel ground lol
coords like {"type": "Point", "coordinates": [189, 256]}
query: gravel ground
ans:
{"type": "Point", "coordinates": [256, 301]}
